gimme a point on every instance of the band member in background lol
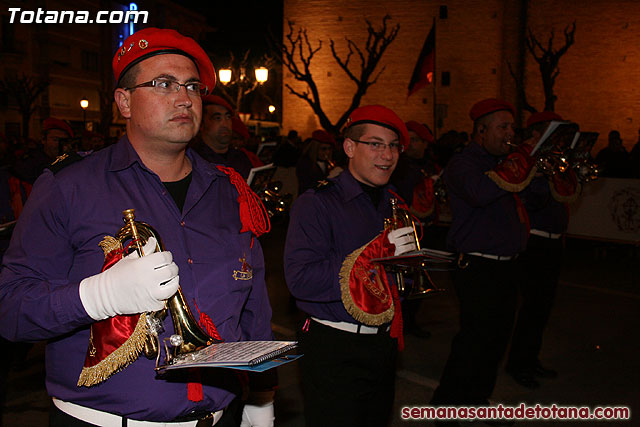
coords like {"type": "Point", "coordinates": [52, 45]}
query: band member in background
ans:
{"type": "Point", "coordinates": [214, 141]}
{"type": "Point", "coordinates": [414, 177]}
{"type": "Point", "coordinates": [488, 231]}
{"type": "Point", "coordinates": [350, 339]}
{"type": "Point", "coordinates": [541, 263]}
{"type": "Point", "coordinates": [316, 161]}
{"type": "Point", "coordinates": [239, 137]}
{"type": "Point", "coordinates": [51, 287]}
{"type": "Point", "coordinates": [31, 164]}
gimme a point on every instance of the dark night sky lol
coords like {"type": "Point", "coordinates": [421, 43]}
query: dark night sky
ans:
{"type": "Point", "coordinates": [240, 24]}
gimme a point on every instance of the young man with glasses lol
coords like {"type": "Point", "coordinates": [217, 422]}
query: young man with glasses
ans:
{"type": "Point", "coordinates": [51, 287]}
{"type": "Point", "coordinates": [352, 334]}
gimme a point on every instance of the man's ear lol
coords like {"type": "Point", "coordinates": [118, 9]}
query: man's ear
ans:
{"type": "Point", "coordinates": [123, 98]}
{"type": "Point", "coordinates": [349, 146]}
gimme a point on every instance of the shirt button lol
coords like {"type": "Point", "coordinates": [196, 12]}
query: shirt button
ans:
{"type": "Point", "coordinates": [182, 223]}
{"type": "Point", "coordinates": [190, 261]}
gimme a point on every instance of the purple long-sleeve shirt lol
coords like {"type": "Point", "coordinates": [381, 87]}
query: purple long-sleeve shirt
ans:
{"type": "Point", "coordinates": [485, 217]}
{"type": "Point", "coordinates": [233, 158]}
{"type": "Point", "coordinates": [55, 246]}
{"type": "Point", "coordinates": [326, 225]}
{"type": "Point", "coordinates": [545, 212]}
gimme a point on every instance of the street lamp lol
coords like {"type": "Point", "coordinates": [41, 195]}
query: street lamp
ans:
{"type": "Point", "coordinates": [236, 79]}
{"type": "Point", "coordinates": [262, 74]}
{"type": "Point", "coordinates": [225, 75]}
{"type": "Point", "coordinates": [272, 109]}
{"type": "Point", "coordinates": [84, 104]}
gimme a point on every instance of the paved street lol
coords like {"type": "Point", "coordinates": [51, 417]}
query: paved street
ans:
{"type": "Point", "coordinates": [593, 340]}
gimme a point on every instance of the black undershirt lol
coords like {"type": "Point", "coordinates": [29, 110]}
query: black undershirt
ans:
{"type": "Point", "coordinates": [374, 193]}
{"type": "Point", "coordinates": [178, 190]}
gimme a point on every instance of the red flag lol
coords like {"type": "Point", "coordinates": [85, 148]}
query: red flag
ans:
{"type": "Point", "coordinates": [425, 67]}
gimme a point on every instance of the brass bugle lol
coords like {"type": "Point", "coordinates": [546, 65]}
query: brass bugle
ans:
{"type": "Point", "coordinates": [188, 335]}
{"type": "Point", "coordinates": [422, 284]}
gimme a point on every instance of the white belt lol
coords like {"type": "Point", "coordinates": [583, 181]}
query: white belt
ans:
{"type": "Point", "coordinates": [494, 257]}
{"type": "Point", "coordinates": [352, 327]}
{"type": "Point", "coordinates": [105, 419]}
{"type": "Point", "coordinates": [545, 234]}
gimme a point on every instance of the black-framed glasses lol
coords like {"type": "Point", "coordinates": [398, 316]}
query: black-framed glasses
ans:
{"type": "Point", "coordinates": [167, 87]}
{"type": "Point", "coordinates": [395, 147]}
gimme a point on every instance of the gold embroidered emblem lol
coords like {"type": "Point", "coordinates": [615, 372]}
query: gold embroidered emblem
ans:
{"type": "Point", "coordinates": [246, 271]}
{"type": "Point", "coordinates": [143, 44]}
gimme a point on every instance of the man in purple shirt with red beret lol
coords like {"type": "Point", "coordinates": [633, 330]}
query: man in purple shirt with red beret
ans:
{"type": "Point", "coordinates": [214, 141]}
{"type": "Point", "coordinates": [489, 230]}
{"type": "Point", "coordinates": [51, 287]}
{"type": "Point", "coordinates": [350, 338]}
{"type": "Point", "coordinates": [541, 263]}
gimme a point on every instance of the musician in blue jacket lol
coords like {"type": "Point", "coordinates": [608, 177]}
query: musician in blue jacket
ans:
{"type": "Point", "coordinates": [541, 262]}
{"type": "Point", "coordinates": [52, 287]}
{"type": "Point", "coordinates": [214, 140]}
{"type": "Point", "coordinates": [351, 336]}
{"type": "Point", "coordinates": [489, 230]}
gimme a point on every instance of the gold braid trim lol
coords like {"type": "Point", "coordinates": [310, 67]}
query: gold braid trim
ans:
{"type": "Point", "coordinates": [109, 244]}
{"type": "Point", "coordinates": [565, 199]}
{"type": "Point", "coordinates": [127, 353]}
{"type": "Point", "coordinates": [347, 300]}
{"type": "Point", "coordinates": [509, 186]}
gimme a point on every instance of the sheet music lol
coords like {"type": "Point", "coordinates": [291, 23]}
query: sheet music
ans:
{"type": "Point", "coordinates": [241, 353]}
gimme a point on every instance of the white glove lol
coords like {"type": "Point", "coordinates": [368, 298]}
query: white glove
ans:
{"type": "Point", "coordinates": [147, 249]}
{"type": "Point", "coordinates": [258, 415]}
{"type": "Point", "coordinates": [403, 239]}
{"type": "Point", "coordinates": [133, 285]}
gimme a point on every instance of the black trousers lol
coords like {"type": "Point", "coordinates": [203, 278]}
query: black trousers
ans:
{"type": "Point", "coordinates": [487, 292]}
{"type": "Point", "coordinates": [540, 268]}
{"type": "Point", "coordinates": [348, 379]}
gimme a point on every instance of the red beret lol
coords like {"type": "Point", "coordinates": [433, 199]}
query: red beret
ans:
{"type": "Point", "coordinates": [542, 116]}
{"type": "Point", "coordinates": [491, 105]}
{"type": "Point", "coordinates": [53, 123]}
{"type": "Point", "coordinates": [217, 100]}
{"type": "Point", "coordinates": [238, 127]}
{"type": "Point", "coordinates": [324, 137]}
{"type": "Point", "coordinates": [382, 116]}
{"type": "Point", "coordinates": [155, 41]}
{"type": "Point", "coordinates": [422, 131]}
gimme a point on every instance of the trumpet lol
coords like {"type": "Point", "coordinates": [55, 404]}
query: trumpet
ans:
{"type": "Point", "coordinates": [275, 202]}
{"type": "Point", "coordinates": [440, 190]}
{"type": "Point", "coordinates": [586, 170]}
{"type": "Point", "coordinates": [422, 285]}
{"type": "Point", "coordinates": [550, 162]}
{"type": "Point", "coordinates": [188, 335]}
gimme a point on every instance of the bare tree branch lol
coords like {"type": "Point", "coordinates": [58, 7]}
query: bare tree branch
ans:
{"type": "Point", "coordinates": [296, 54]}
{"type": "Point", "coordinates": [25, 90]}
{"type": "Point", "coordinates": [522, 94]}
{"type": "Point", "coordinates": [548, 60]}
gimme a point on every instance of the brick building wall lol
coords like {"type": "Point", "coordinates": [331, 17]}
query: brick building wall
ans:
{"type": "Point", "coordinates": [597, 86]}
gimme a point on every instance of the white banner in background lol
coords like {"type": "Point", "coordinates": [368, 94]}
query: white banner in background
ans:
{"type": "Point", "coordinates": [608, 208]}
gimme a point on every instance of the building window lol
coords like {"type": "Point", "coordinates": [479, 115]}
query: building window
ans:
{"type": "Point", "coordinates": [89, 61]}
